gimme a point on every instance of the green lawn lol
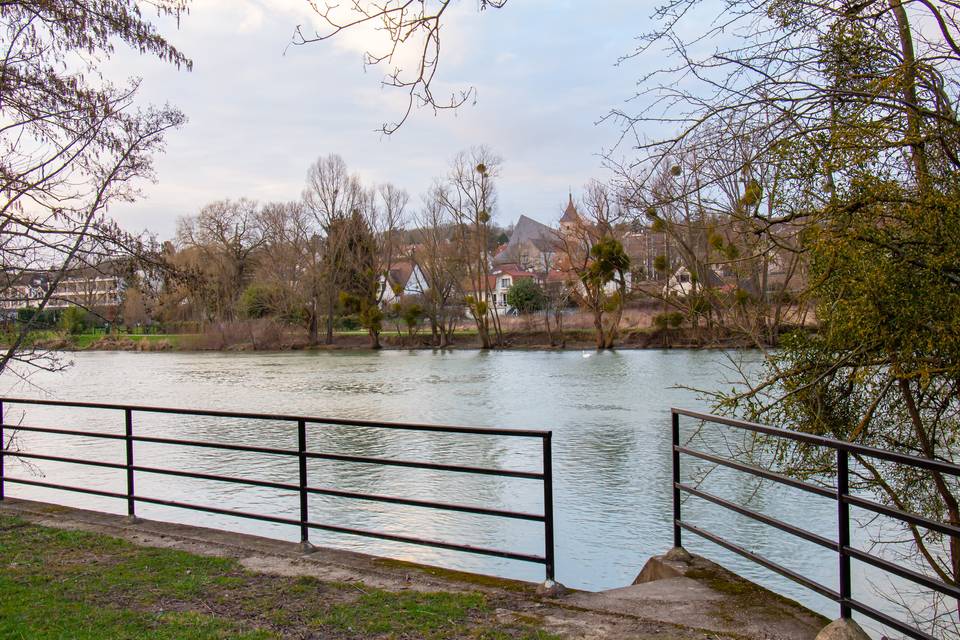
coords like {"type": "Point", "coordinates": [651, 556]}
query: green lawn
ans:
{"type": "Point", "coordinates": [57, 584]}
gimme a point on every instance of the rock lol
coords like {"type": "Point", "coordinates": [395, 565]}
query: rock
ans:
{"type": "Point", "coordinates": [673, 564]}
{"type": "Point", "coordinates": [842, 629]}
{"type": "Point", "coordinates": [550, 589]}
{"type": "Point", "coordinates": [678, 554]}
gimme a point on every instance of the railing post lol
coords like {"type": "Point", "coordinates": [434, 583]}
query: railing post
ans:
{"type": "Point", "coordinates": [548, 506]}
{"type": "Point", "coordinates": [3, 450]}
{"type": "Point", "coordinates": [675, 439]}
{"type": "Point", "coordinates": [304, 508]}
{"type": "Point", "coordinates": [843, 534]}
{"type": "Point", "coordinates": [128, 432]}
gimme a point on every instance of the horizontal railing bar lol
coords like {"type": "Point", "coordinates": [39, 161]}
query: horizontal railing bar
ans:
{"type": "Point", "coordinates": [405, 426]}
{"type": "Point", "coordinates": [888, 621]}
{"type": "Point", "coordinates": [506, 473]}
{"type": "Point", "coordinates": [430, 543]}
{"type": "Point", "coordinates": [68, 432]}
{"type": "Point", "coordinates": [906, 516]}
{"type": "Point", "coordinates": [345, 494]}
{"type": "Point", "coordinates": [821, 441]}
{"type": "Point", "coordinates": [769, 564]}
{"type": "Point", "coordinates": [64, 487]}
{"type": "Point", "coordinates": [907, 574]}
{"type": "Point", "coordinates": [763, 473]}
{"type": "Point", "coordinates": [217, 510]}
{"type": "Point", "coordinates": [347, 530]}
{"type": "Point", "coordinates": [426, 504]}
{"type": "Point", "coordinates": [755, 515]}
{"type": "Point", "coordinates": [216, 445]}
{"type": "Point", "coordinates": [218, 478]}
{"type": "Point", "coordinates": [43, 456]}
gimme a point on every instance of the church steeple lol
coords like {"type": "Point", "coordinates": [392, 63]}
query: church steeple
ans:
{"type": "Point", "coordinates": [570, 214]}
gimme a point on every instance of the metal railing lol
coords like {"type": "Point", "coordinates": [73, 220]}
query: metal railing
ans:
{"type": "Point", "coordinates": [844, 499]}
{"type": "Point", "coordinates": [301, 454]}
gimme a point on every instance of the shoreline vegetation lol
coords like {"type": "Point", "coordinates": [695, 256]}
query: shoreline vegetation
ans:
{"type": "Point", "coordinates": [230, 339]}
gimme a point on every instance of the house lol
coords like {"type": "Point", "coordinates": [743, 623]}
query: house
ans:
{"type": "Point", "coordinates": [21, 291]}
{"type": "Point", "coordinates": [532, 246]}
{"type": "Point", "coordinates": [682, 283]}
{"type": "Point", "coordinates": [405, 278]}
{"type": "Point", "coordinates": [504, 277]}
{"type": "Point", "coordinates": [99, 287]}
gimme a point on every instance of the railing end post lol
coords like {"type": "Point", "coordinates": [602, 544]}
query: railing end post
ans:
{"type": "Point", "coordinates": [675, 457]}
{"type": "Point", "coordinates": [302, 488]}
{"type": "Point", "coordinates": [843, 532]}
{"type": "Point", "coordinates": [3, 450]}
{"type": "Point", "coordinates": [128, 433]}
{"type": "Point", "coordinates": [548, 521]}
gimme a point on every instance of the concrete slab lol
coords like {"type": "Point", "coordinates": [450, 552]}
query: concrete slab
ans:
{"type": "Point", "coordinates": [691, 590]}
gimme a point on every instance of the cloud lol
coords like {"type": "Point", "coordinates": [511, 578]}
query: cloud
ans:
{"type": "Point", "coordinates": [261, 111]}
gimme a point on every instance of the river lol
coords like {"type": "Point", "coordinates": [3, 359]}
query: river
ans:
{"type": "Point", "coordinates": [610, 413]}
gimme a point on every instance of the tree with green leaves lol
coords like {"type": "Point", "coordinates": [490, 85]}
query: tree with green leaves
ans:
{"type": "Point", "coordinates": [854, 104]}
{"type": "Point", "coordinates": [526, 296]}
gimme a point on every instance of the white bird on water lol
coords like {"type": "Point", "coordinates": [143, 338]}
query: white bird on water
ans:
{"type": "Point", "coordinates": [585, 354]}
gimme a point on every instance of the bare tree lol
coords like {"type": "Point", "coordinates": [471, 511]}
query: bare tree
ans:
{"type": "Point", "coordinates": [442, 265]}
{"type": "Point", "coordinates": [227, 234]}
{"type": "Point", "coordinates": [469, 199]}
{"type": "Point", "coordinates": [406, 25]}
{"type": "Point", "coordinates": [331, 195]}
{"type": "Point", "coordinates": [73, 144]}
{"type": "Point", "coordinates": [595, 263]}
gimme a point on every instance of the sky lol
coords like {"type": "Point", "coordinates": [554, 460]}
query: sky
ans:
{"type": "Point", "coordinates": [261, 111]}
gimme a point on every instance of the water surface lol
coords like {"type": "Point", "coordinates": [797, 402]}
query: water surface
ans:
{"type": "Point", "coordinates": [610, 413]}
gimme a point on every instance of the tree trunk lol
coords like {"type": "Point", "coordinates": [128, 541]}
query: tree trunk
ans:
{"type": "Point", "coordinates": [331, 307]}
{"type": "Point", "coordinates": [313, 327]}
{"type": "Point", "coordinates": [598, 326]}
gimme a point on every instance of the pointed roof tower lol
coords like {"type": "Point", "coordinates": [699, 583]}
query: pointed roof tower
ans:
{"type": "Point", "coordinates": [570, 215]}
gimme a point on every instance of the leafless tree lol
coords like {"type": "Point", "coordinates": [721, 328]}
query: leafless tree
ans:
{"type": "Point", "coordinates": [442, 265]}
{"type": "Point", "coordinates": [227, 234]}
{"type": "Point", "coordinates": [331, 195]}
{"type": "Point", "coordinates": [407, 25]}
{"type": "Point", "coordinates": [73, 143]}
{"type": "Point", "coordinates": [469, 198]}
{"type": "Point", "coordinates": [594, 261]}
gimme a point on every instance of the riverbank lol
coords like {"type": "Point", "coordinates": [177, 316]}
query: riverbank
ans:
{"type": "Point", "coordinates": [86, 575]}
{"type": "Point", "coordinates": [575, 340]}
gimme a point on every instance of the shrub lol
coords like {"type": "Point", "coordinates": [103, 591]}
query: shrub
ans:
{"type": "Point", "coordinates": [671, 320]}
{"type": "Point", "coordinates": [526, 296]}
{"type": "Point", "coordinates": [74, 320]}
{"type": "Point", "coordinates": [258, 301]}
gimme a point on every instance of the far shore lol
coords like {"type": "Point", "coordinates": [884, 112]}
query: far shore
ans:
{"type": "Point", "coordinates": [573, 340]}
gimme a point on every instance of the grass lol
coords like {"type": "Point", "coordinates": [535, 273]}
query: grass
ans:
{"type": "Point", "coordinates": [59, 584]}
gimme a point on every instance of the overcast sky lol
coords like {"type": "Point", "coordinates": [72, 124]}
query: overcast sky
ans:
{"type": "Point", "coordinates": [260, 112]}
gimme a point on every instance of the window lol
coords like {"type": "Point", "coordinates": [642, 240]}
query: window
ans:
{"type": "Point", "coordinates": [684, 277]}
{"type": "Point", "coordinates": [504, 283]}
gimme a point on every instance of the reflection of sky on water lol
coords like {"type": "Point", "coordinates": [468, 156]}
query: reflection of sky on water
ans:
{"type": "Point", "coordinates": [609, 413]}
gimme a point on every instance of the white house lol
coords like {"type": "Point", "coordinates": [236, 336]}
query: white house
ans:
{"type": "Point", "coordinates": [682, 283]}
{"type": "Point", "coordinates": [404, 279]}
{"type": "Point", "coordinates": [502, 278]}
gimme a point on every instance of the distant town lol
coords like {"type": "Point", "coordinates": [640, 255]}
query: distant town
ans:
{"type": "Point", "coordinates": [349, 257]}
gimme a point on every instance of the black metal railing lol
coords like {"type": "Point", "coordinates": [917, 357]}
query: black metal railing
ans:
{"type": "Point", "coordinates": [842, 546]}
{"type": "Point", "coordinates": [302, 487]}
